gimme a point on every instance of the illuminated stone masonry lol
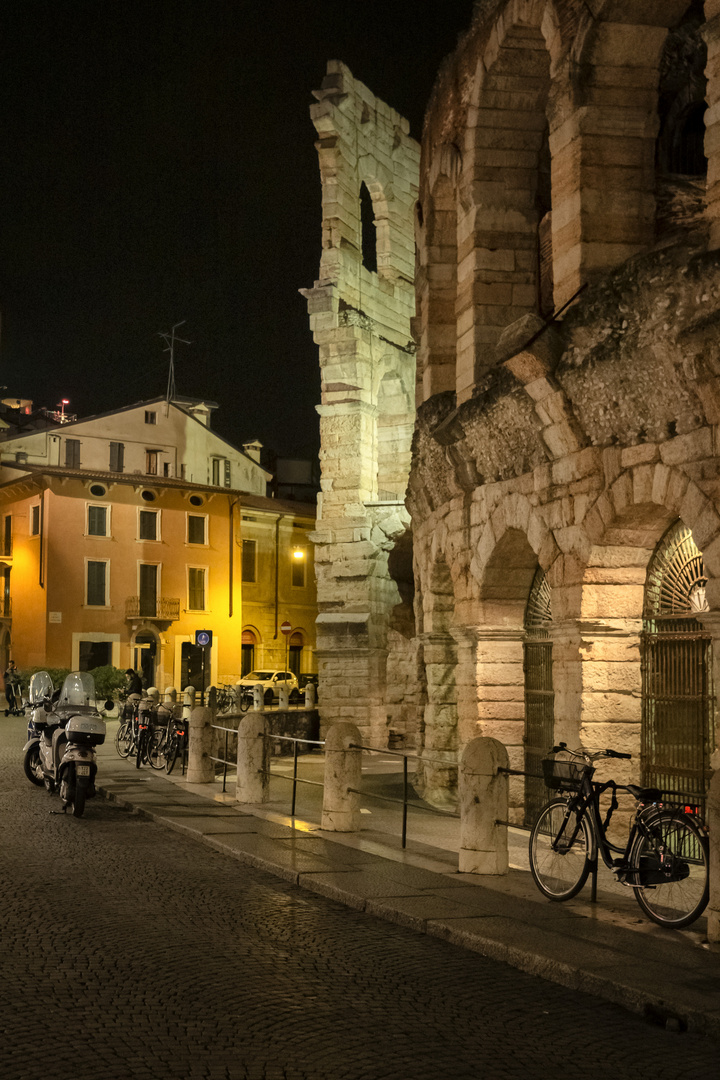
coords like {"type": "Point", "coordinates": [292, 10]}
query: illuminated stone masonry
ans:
{"type": "Point", "coordinates": [568, 314]}
{"type": "Point", "coordinates": [360, 310]}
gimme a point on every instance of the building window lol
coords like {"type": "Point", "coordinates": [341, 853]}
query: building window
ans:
{"type": "Point", "coordinates": [197, 529]}
{"type": "Point", "coordinates": [298, 568]}
{"type": "Point", "coordinates": [249, 552]}
{"type": "Point", "coordinates": [151, 462]}
{"type": "Point", "coordinates": [368, 230]}
{"type": "Point", "coordinates": [196, 588]}
{"type": "Point", "coordinates": [34, 521]}
{"type": "Point", "coordinates": [94, 654]}
{"type": "Point", "coordinates": [117, 456]}
{"type": "Point", "coordinates": [150, 417]}
{"type": "Point", "coordinates": [148, 525]}
{"type": "Point", "coordinates": [216, 471]}
{"type": "Point", "coordinates": [72, 453]}
{"type": "Point", "coordinates": [97, 523]}
{"type": "Point", "coordinates": [247, 661]}
{"type": "Point", "coordinates": [7, 537]}
{"type": "Point", "coordinates": [97, 575]}
{"type": "Point", "coordinates": [148, 587]}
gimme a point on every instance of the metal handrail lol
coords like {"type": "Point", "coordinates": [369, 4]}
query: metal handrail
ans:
{"type": "Point", "coordinates": [404, 801]}
{"type": "Point", "coordinates": [295, 778]}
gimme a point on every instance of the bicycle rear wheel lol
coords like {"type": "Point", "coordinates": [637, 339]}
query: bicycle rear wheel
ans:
{"type": "Point", "coordinates": [671, 861]}
{"type": "Point", "coordinates": [123, 738]}
{"type": "Point", "coordinates": [560, 851]}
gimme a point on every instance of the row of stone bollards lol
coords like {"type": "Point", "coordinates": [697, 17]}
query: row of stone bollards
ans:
{"type": "Point", "coordinates": [483, 783]}
{"type": "Point", "coordinates": [482, 792]}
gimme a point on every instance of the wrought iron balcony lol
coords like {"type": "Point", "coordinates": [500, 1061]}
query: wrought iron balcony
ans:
{"type": "Point", "coordinates": [160, 608]}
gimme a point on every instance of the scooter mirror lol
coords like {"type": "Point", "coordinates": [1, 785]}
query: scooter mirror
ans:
{"type": "Point", "coordinates": [109, 704]}
{"type": "Point", "coordinates": [47, 706]}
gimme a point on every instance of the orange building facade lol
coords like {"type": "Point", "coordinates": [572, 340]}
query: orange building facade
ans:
{"type": "Point", "coordinates": [124, 570]}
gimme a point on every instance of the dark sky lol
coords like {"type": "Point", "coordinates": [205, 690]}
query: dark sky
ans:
{"type": "Point", "coordinates": [157, 163]}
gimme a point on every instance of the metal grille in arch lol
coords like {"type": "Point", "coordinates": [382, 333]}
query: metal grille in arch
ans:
{"type": "Point", "coordinates": [676, 577]}
{"type": "Point", "coordinates": [677, 692]}
{"type": "Point", "coordinates": [539, 694]}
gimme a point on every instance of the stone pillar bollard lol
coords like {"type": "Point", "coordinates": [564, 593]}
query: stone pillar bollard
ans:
{"type": "Point", "coordinates": [283, 699]}
{"type": "Point", "coordinates": [259, 697]}
{"type": "Point", "coordinates": [201, 770]}
{"type": "Point", "coordinates": [238, 694]}
{"type": "Point", "coordinates": [343, 767]}
{"type": "Point", "coordinates": [170, 696]}
{"type": "Point", "coordinates": [310, 695]}
{"type": "Point", "coordinates": [188, 701]}
{"type": "Point", "coordinates": [253, 773]}
{"type": "Point", "coordinates": [483, 800]}
{"type": "Point", "coordinates": [713, 823]}
{"type": "Point", "coordinates": [212, 698]}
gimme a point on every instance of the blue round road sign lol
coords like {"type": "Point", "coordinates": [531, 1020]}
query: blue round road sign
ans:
{"type": "Point", "coordinates": [203, 637]}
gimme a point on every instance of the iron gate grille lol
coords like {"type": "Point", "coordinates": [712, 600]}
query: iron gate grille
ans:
{"type": "Point", "coordinates": [539, 718]}
{"type": "Point", "coordinates": [678, 707]}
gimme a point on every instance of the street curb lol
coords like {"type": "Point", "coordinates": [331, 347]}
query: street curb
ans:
{"type": "Point", "coordinates": [676, 1014]}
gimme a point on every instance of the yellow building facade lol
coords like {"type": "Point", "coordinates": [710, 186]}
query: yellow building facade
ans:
{"type": "Point", "coordinates": [116, 569]}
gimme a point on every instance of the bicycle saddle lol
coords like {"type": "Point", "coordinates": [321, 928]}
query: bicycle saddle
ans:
{"type": "Point", "coordinates": [645, 794]}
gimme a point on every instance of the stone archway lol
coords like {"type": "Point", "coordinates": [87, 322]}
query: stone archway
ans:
{"type": "Point", "coordinates": [678, 721]}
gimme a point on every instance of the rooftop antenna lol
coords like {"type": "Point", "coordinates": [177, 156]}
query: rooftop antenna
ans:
{"type": "Point", "coordinates": [170, 339]}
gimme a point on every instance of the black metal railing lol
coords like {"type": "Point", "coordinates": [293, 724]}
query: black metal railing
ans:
{"type": "Point", "coordinates": [404, 802]}
{"type": "Point", "coordinates": [164, 608]}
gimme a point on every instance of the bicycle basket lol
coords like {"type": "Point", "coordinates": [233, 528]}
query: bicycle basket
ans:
{"type": "Point", "coordinates": [564, 774]}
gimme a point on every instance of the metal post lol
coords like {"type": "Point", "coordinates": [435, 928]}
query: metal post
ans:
{"type": "Point", "coordinates": [295, 752]}
{"type": "Point", "coordinates": [593, 879]}
{"type": "Point", "coordinates": [405, 792]}
{"type": "Point", "coordinates": [225, 760]}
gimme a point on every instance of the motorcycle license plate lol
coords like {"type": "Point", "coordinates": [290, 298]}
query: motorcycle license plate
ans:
{"type": "Point", "coordinates": [82, 770]}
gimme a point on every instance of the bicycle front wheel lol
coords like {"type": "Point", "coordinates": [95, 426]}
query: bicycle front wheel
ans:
{"type": "Point", "coordinates": [560, 851]}
{"type": "Point", "coordinates": [156, 748]}
{"type": "Point", "coordinates": [670, 861]}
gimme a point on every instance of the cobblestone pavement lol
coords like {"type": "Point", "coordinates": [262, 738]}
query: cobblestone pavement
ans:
{"type": "Point", "coordinates": [129, 950]}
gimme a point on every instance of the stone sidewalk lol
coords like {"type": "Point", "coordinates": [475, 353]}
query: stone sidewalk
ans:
{"type": "Point", "coordinates": [608, 949]}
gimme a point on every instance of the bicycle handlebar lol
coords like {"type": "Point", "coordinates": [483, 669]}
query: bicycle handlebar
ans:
{"type": "Point", "coordinates": [590, 754]}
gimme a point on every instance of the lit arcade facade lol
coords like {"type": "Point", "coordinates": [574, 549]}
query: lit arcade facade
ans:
{"type": "Point", "coordinates": [564, 489]}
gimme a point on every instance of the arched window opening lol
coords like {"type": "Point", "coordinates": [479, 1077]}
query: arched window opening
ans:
{"type": "Point", "coordinates": [295, 649]}
{"type": "Point", "coordinates": [677, 693]}
{"type": "Point", "coordinates": [368, 230]}
{"type": "Point", "coordinates": [539, 693]}
{"type": "Point", "coordinates": [247, 650]}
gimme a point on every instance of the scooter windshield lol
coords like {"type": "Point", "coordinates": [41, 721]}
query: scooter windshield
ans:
{"type": "Point", "coordinates": [78, 689]}
{"type": "Point", "coordinates": [41, 686]}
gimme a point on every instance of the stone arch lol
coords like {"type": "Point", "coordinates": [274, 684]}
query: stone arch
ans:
{"type": "Point", "coordinates": [514, 532]}
{"type": "Point", "coordinates": [498, 280]}
{"type": "Point", "coordinates": [636, 510]}
{"type": "Point", "coordinates": [436, 279]}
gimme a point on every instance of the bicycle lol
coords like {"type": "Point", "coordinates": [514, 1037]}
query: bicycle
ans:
{"type": "Point", "coordinates": [177, 739]}
{"type": "Point", "coordinates": [225, 699]}
{"type": "Point", "coordinates": [665, 860]}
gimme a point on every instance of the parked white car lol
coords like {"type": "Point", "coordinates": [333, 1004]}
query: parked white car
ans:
{"type": "Point", "coordinates": [272, 682]}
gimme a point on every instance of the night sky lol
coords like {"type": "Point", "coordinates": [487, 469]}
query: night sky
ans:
{"type": "Point", "coordinates": [157, 163]}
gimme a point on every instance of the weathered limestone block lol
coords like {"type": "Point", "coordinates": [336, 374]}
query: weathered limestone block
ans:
{"type": "Point", "coordinates": [201, 769]}
{"type": "Point", "coordinates": [343, 769]}
{"type": "Point", "coordinates": [253, 776]}
{"type": "Point", "coordinates": [483, 803]}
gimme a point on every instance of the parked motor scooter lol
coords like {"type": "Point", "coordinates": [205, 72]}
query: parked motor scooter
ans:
{"type": "Point", "coordinates": [61, 755]}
